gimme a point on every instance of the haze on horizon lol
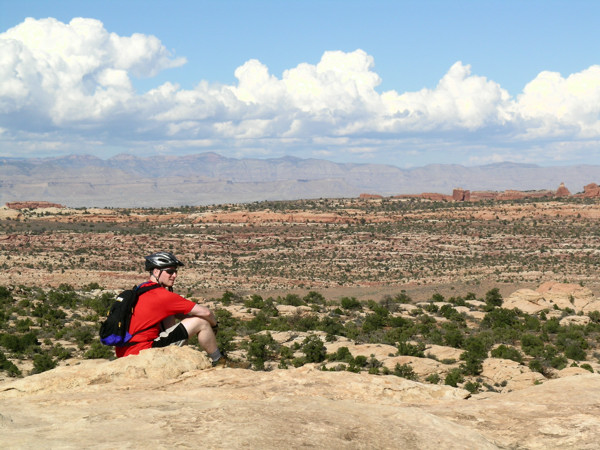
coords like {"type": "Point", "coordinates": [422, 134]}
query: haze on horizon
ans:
{"type": "Point", "coordinates": [402, 83]}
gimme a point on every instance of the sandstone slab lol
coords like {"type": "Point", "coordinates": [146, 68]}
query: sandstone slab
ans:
{"type": "Point", "coordinates": [131, 403]}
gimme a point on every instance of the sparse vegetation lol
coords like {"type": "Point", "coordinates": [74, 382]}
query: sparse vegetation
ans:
{"type": "Point", "coordinates": [385, 243]}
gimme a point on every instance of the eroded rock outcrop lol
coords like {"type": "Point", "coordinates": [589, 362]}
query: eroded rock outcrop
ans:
{"type": "Point", "coordinates": [562, 191]}
{"type": "Point", "coordinates": [167, 398]}
{"type": "Point", "coordinates": [551, 294]}
{"type": "Point", "coordinates": [464, 195]}
{"type": "Point", "coordinates": [591, 190]}
{"type": "Point", "coordinates": [370, 196]}
{"type": "Point", "coordinates": [33, 205]}
{"type": "Point", "coordinates": [461, 195]}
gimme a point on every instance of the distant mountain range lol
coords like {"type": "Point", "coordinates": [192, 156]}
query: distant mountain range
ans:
{"type": "Point", "coordinates": [208, 178]}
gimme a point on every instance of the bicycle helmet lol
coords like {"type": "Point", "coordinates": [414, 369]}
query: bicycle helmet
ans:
{"type": "Point", "coordinates": [161, 260]}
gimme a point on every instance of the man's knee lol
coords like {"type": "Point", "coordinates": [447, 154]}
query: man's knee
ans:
{"type": "Point", "coordinates": [195, 325]}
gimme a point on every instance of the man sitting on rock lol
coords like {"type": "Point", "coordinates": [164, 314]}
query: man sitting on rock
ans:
{"type": "Point", "coordinates": [158, 310]}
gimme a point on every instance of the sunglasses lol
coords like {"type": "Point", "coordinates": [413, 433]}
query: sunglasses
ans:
{"type": "Point", "coordinates": [170, 271]}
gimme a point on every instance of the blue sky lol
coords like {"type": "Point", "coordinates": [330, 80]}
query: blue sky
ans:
{"type": "Point", "coordinates": [407, 83]}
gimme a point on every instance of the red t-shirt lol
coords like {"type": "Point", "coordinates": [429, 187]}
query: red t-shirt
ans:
{"type": "Point", "coordinates": [152, 308]}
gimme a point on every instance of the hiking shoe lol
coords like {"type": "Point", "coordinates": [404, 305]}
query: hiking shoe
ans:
{"type": "Point", "coordinates": [223, 362]}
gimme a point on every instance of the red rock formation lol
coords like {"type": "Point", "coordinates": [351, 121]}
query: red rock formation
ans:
{"type": "Point", "coordinates": [483, 195]}
{"type": "Point", "coordinates": [562, 191]}
{"type": "Point", "coordinates": [32, 205]}
{"type": "Point", "coordinates": [591, 190]}
{"type": "Point", "coordinates": [370, 196]}
{"type": "Point", "coordinates": [436, 197]}
{"type": "Point", "coordinates": [433, 196]}
{"type": "Point", "coordinates": [509, 195]}
{"type": "Point", "coordinates": [461, 195]}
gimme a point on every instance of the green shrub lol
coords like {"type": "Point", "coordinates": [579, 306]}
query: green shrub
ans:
{"type": "Point", "coordinates": [472, 387]}
{"type": "Point", "coordinates": [8, 366]}
{"type": "Point", "coordinates": [360, 361]}
{"type": "Point", "coordinates": [225, 339]}
{"type": "Point", "coordinates": [454, 377]}
{"type": "Point", "coordinates": [559, 362]}
{"type": "Point", "coordinates": [431, 308]}
{"type": "Point", "coordinates": [229, 297]}
{"type": "Point", "coordinates": [255, 301]}
{"type": "Point", "coordinates": [64, 296]}
{"type": "Point", "coordinates": [83, 336]}
{"type": "Point", "coordinates": [5, 296]}
{"type": "Point", "coordinates": [260, 322]}
{"type": "Point", "coordinates": [437, 297]}
{"type": "Point", "coordinates": [372, 323]}
{"type": "Point", "coordinates": [18, 344]}
{"type": "Point", "coordinates": [23, 325]}
{"type": "Point", "coordinates": [405, 371]}
{"type": "Point", "coordinates": [500, 318]}
{"type": "Point", "coordinates": [261, 348]}
{"type": "Point", "coordinates": [406, 349]}
{"type": "Point", "coordinates": [292, 300]}
{"type": "Point", "coordinates": [286, 352]}
{"type": "Point", "coordinates": [551, 326]}
{"type": "Point", "coordinates": [457, 301]}
{"type": "Point", "coordinates": [331, 326]}
{"type": "Point", "coordinates": [42, 362]}
{"type": "Point", "coordinates": [314, 349]}
{"type": "Point", "coordinates": [535, 365]}
{"type": "Point", "coordinates": [434, 378]}
{"type": "Point", "coordinates": [378, 309]}
{"type": "Point", "coordinates": [574, 351]}
{"type": "Point", "coordinates": [342, 354]}
{"type": "Point", "coordinates": [60, 353]}
{"type": "Point", "coordinates": [101, 304]}
{"type": "Point", "coordinates": [493, 297]}
{"type": "Point", "coordinates": [531, 323]}
{"type": "Point", "coordinates": [91, 287]}
{"type": "Point", "coordinates": [573, 342]}
{"type": "Point", "coordinates": [450, 313]}
{"type": "Point", "coordinates": [532, 345]}
{"type": "Point", "coordinates": [453, 336]}
{"type": "Point", "coordinates": [99, 351]}
{"type": "Point", "coordinates": [314, 298]}
{"type": "Point", "coordinates": [373, 365]}
{"type": "Point", "coordinates": [476, 352]}
{"type": "Point", "coordinates": [350, 303]}
{"type": "Point", "coordinates": [506, 352]}
{"type": "Point", "coordinates": [225, 319]}
{"type": "Point", "coordinates": [594, 316]}
{"type": "Point", "coordinates": [402, 297]}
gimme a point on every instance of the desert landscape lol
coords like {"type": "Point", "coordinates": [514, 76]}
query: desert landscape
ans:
{"type": "Point", "coordinates": [369, 322]}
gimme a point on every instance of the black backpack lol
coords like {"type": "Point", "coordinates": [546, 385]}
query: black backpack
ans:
{"type": "Point", "coordinates": [114, 330]}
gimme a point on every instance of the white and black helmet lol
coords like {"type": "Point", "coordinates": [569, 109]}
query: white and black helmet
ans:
{"type": "Point", "coordinates": [161, 260]}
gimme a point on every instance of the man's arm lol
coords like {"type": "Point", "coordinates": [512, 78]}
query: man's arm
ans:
{"type": "Point", "coordinates": [204, 313]}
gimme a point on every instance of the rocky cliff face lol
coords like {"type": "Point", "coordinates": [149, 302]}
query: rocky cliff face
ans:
{"type": "Point", "coordinates": [172, 398]}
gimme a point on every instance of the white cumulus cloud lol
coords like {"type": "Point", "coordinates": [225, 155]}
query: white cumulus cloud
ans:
{"type": "Point", "coordinates": [74, 81]}
{"type": "Point", "coordinates": [460, 100]}
{"type": "Point", "coordinates": [552, 105]}
{"type": "Point", "coordinates": [75, 71]}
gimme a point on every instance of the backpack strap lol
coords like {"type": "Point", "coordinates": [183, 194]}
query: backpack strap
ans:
{"type": "Point", "coordinates": [138, 291]}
